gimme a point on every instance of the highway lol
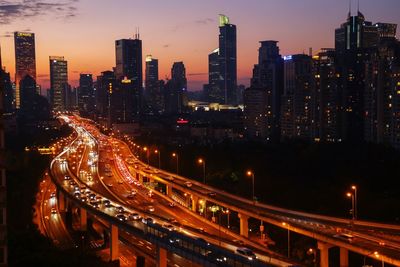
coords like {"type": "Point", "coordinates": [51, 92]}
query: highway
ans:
{"type": "Point", "coordinates": [68, 161]}
{"type": "Point", "coordinates": [115, 178]}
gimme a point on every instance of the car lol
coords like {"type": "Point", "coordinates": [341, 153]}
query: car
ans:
{"type": "Point", "coordinates": [121, 217]}
{"type": "Point", "coordinates": [172, 204]}
{"type": "Point", "coordinates": [109, 185]}
{"type": "Point", "coordinates": [95, 204]}
{"type": "Point", "coordinates": [72, 183]}
{"type": "Point", "coordinates": [120, 182]}
{"type": "Point", "coordinates": [134, 192]}
{"type": "Point", "coordinates": [188, 184]}
{"type": "Point", "coordinates": [107, 203]}
{"type": "Point", "coordinates": [150, 208]}
{"type": "Point", "coordinates": [150, 193]}
{"type": "Point", "coordinates": [201, 240]}
{"type": "Point", "coordinates": [53, 211]}
{"type": "Point", "coordinates": [84, 199]}
{"type": "Point", "coordinates": [169, 227]}
{"type": "Point", "coordinates": [211, 194]}
{"type": "Point", "coordinates": [134, 216]}
{"type": "Point", "coordinates": [92, 196]}
{"type": "Point", "coordinates": [130, 196]}
{"type": "Point", "coordinates": [148, 220]}
{"type": "Point", "coordinates": [216, 257]}
{"type": "Point", "coordinates": [246, 252]}
{"type": "Point", "coordinates": [240, 242]}
{"type": "Point", "coordinates": [119, 209]}
{"type": "Point", "coordinates": [67, 177]}
{"type": "Point", "coordinates": [53, 195]}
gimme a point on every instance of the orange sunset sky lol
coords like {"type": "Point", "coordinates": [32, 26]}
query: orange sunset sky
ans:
{"type": "Point", "coordinates": [84, 31]}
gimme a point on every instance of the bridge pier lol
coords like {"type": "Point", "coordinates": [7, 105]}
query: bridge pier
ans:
{"type": "Point", "coordinates": [83, 217]}
{"type": "Point", "coordinates": [114, 246]}
{"type": "Point", "coordinates": [244, 224]}
{"type": "Point", "coordinates": [324, 254]}
{"type": "Point", "coordinates": [168, 189]}
{"type": "Point", "coordinates": [161, 257]}
{"type": "Point", "coordinates": [60, 201]}
{"type": "Point", "coordinates": [195, 202]}
{"type": "Point", "coordinates": [344, 257]}
{"type": "Point", "coordinates": [140, 178]}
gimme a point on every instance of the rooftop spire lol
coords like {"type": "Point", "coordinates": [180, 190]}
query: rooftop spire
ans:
{"type": "Point", "coordinates": [349, 14]}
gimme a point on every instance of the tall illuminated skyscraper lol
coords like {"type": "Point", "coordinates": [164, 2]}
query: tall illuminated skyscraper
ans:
{"type": "Point", "coordinates": [58, 82]}
{"type": "Point", "coordinates": [228, 59]}
{"type": "Point", "coordinates": [25, 60]}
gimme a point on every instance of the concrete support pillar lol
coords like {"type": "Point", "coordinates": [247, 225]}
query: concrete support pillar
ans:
{"type": "Point", "coordinates": [114, 246]}
{"type": "Point", "coordinates": [324, 254]}
{"type": "Point", "coordinates": [83, 219]}
{"type": "Point", "coordinates": [244, 224]}
{"type": "Point", "coordinates": [344, 257]}
{"type": "Point", "coordinates": [60, 201]}
{"type": "Point", "coordinates": [168, 188]}
{"type": "Point", "coordinates": [195, 202]}
{"type": "Point", "coordinates": [140, 178]}
{"type": "Point", "coordinates": [161, 257]}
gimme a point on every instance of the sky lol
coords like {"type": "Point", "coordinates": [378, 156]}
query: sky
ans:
{"type": "Point", "coordinates": [84, 31]}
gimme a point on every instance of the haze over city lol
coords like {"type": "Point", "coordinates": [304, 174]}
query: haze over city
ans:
{"type": "Point", "coordinates": [84, 31]}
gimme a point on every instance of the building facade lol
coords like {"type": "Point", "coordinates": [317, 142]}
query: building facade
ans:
{"type": "Point", "coordinates": [58, 82]}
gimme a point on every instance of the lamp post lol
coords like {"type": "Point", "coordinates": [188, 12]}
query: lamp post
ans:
{"type": "Point", "coordinates": [251, 174]}
{"type": "Point", "coordinates": [351, 196]}
{"type": "Point", "coordinates": [175, 155]}
{"type": "Point", "coordinates": [147, 155]}
{"type": "Point", "coordinates": [159, 157]}
{"type": "Point", "coordinates": [354, 188]}
{"type": "Point", "coordinates": [203, 162]}
{"type": "Point", "coordinates": [376, 254]}
{"type": "Point", "coordinates": [227, 212]}
{"type": "Point", "coordinates": [312, 251]}
{"type": "Point", "coordinates": [288, 238]}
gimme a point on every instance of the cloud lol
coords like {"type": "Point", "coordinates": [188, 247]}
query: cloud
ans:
{"type": "Point", "coordinates": [205, 21]}
{"type": "Point", "coordinates": [12, 10]}
{"type": "Point", "coordinates": [166, 45]}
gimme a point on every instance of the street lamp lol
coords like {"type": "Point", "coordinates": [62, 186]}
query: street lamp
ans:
{"type": "Point", "coordinates": [159, 157]}
{"type": "Point", "coordinates": [227, 212]}
{"type": "Point", "coordinates": [251, 174]}
{"type": "Point", "coordinates": [175, 155]}
{"type": "Point", "coordinates": [354, 188]}
{"type": "Point", "coordinates": [376, 254]}
{"type": "Point", "coordinates": [203, 162]}
{"type": "Point", "coordinates": [147, 155]}
{"type": "Point", "coordinates": [351, 196]}
{"type": "Point", "coordinates": [288, 238]}
{"type": "Point", "coordinates": [312, 251]}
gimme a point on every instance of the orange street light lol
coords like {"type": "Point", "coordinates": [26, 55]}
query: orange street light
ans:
{"type": "Point", "coordinates": [159, 157]}
{"type": "Point", "coordinates": [351, 196]}
{"type": "Point", "coordinates": [354, 188]}
{"type": "Point", "coordinates": [251, 174]}
{"type": "Point", "coordinates": [175, 155]}
{"type": "Point", "coordinates": [288, 238]}
{"type": "Point", "coordinates": [203, 162]}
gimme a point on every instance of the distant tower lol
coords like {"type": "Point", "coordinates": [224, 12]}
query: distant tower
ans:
{"type": "Point", "coordinates": [25, 60]}
{"type": "Point", "coordinates": [228, 59]}
{"type": "Point", "coordinates": [58, 82]}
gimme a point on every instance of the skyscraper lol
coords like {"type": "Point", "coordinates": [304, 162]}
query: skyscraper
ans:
{"type": "Point", "coordinates": [58, 81]}
{"type": "Point", "coordinates": [3, 188]}
{"type": "Point", "coordinates": [176, 90]}
{"type": "Point", "coordinates": [129, 67]}
{"type": "Point", "coordinates": [296, 114]}
{"type": "Point", "coordinates": [129, 60]}
{"type": "Point", "coordinates": [215, 90]}
{"type": "Point", "coordinates": [153, 92]}
{"type": "Point", "coordinates": [268, 76]}
{"type": "Point", "coordinates": [325, 106]}
{"type": "Point", "coordinates": [352, 41]}
{"type": "Point", "coordinates": [228, 59]}
{"type": "Point", "coordinates": [25, 59]}
{"type": "Point", "coordinates": [86, 94]}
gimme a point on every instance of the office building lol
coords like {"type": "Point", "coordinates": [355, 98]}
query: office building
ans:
{"type": "Point", "coordinates": [326, 101]}
{"type": "Point", "coordinates": [227, 60]}
{"type": "Point", "coordinates": [58, 81]}
{"type": "Point", "coordinates": [25, 60]}
{"type": "Point", "coordinates": [176, 90]}
{"type": "Point", "coordinates": [154, 96]}
{"type": "Point", "coordinates": [297, 103]}
{"type": "Point", "coordinates": [86, 96]}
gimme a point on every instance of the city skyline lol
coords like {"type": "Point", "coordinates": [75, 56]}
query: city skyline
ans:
{"type": "Point", "coordinates": [173, 40]}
